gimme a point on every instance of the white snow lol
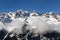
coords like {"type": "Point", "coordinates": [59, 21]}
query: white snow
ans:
{"type": "Point", "coordinates": [36, 23]}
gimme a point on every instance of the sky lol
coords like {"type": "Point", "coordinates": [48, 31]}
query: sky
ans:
{"type": "Point", "coordinates": [29, 5]}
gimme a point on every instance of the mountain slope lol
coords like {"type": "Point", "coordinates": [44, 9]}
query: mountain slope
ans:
{"type": "Point", "coordinates": [24, 23]}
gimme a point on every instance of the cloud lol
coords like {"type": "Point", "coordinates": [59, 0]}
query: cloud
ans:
{"type": "Point", "coordinates": [34, 23]}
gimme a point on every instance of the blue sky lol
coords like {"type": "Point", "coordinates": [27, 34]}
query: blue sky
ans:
{"type": "Point", "coordinates": [38, 5]}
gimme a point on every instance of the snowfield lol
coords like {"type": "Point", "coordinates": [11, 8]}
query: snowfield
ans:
{"type": "Point", "coordinates": [24, 25]}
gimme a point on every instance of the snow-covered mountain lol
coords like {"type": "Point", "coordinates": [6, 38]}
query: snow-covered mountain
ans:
{"type": "Point", "coordinates": [25, 24]}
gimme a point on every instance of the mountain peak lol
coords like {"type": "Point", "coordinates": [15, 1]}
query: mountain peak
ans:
{"type": "Point", "coordinates": [20, 22]}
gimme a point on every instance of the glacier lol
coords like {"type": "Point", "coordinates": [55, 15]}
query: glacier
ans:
{"type": "Point", "coordinates": [24, 25]}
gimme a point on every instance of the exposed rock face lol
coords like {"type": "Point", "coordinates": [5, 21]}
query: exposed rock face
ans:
{"type": "Point", "coordinates": [32, 36]}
